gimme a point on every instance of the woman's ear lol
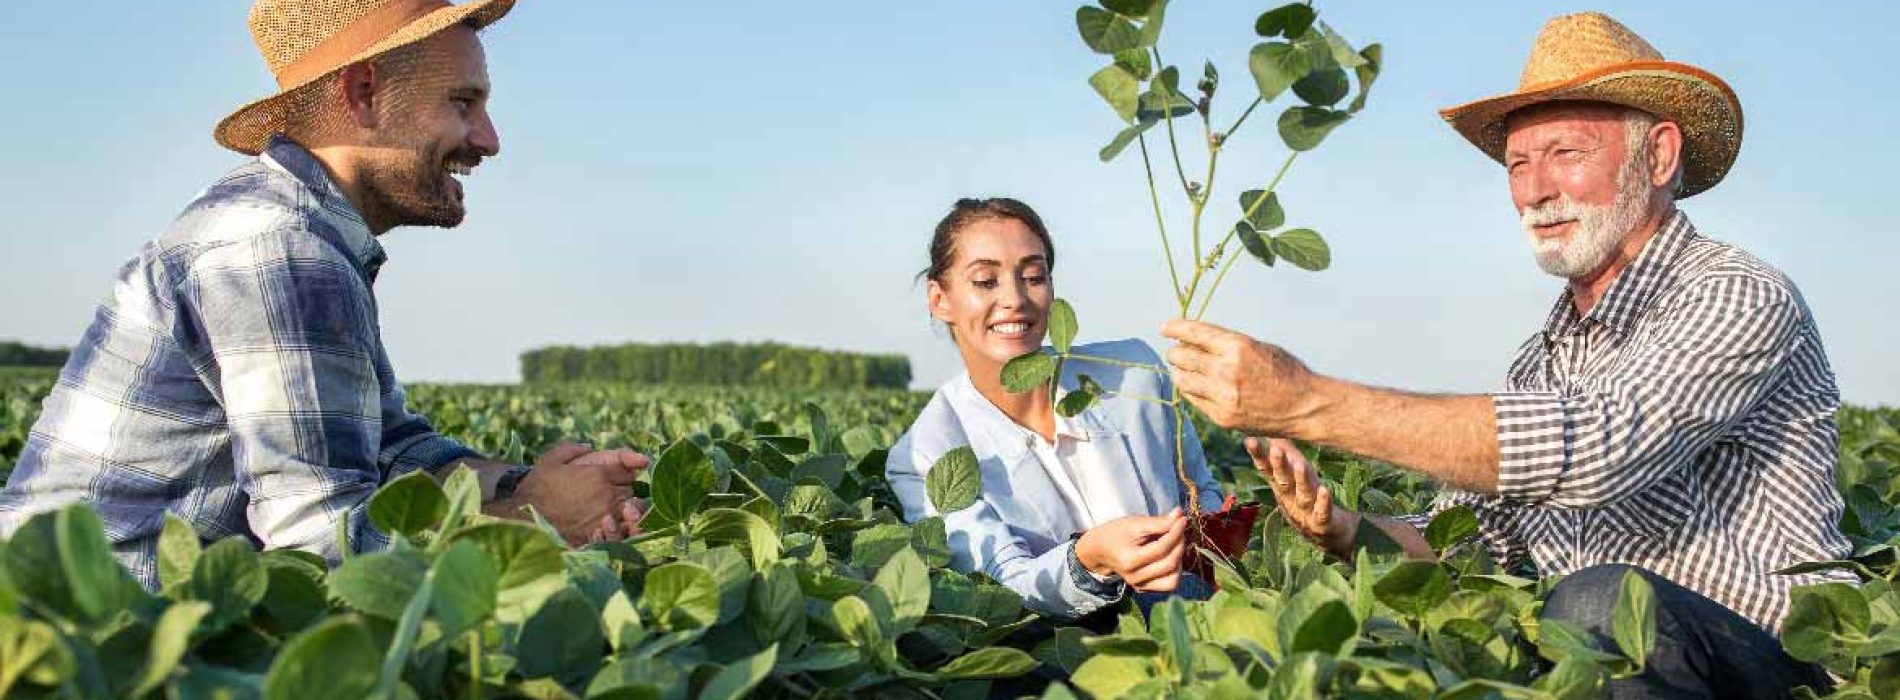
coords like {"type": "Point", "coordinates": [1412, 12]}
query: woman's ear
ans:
{"type": "Point", "coordinates": [939, 301]}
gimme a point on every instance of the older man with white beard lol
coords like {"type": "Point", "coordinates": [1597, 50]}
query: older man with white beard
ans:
{"type": "Point", "coordinates": [1672, 420]}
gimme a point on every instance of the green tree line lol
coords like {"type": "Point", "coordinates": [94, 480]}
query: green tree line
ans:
{"type": "Point", "coordinates": [15, 354]}
{"type": "Point", "coordinates": [725, 363]}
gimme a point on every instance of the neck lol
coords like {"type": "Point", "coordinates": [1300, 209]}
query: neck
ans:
{"type": "Point", "coordinates": [1030, 409]}
{"type": "Point", "coordinates": [1586, 291]}
{"type": "Point", "coordinates": [336, 160]}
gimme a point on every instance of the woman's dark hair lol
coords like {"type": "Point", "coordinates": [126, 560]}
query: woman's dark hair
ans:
{"type": "Point", "coordinates": [943, 245]}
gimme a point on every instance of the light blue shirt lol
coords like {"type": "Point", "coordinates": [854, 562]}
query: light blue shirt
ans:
{"type": "Point", "coordinates": [1019, 531]}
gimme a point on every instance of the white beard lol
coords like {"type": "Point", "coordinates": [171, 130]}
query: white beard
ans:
{"type": "Point", "coordinates": [1600, 228]}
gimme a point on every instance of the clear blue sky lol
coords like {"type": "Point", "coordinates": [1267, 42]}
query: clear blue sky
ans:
{"type": "Point", "coordinates": [764, 170]}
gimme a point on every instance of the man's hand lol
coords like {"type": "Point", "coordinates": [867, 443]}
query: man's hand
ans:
{"type": "Point", "coordinates": [574, 487]}
{"type": "Point", "coordinates": [1304, 501]}
{"type": "Point", "coordinates": [1237, 381]}
{"type": "Point", "coordinates": [621, 524]}
{"type": "Point", "coordinates": [1145, 550]}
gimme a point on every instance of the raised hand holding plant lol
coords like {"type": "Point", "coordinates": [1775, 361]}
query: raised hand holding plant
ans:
{"type": "Point", "coordinates": [1300, 55]}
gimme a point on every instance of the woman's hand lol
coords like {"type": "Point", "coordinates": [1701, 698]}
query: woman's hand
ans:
{"type": "Point", "coordinates": [1306, 503]}
{"type": "Point", "coordinates": [1145, 550]}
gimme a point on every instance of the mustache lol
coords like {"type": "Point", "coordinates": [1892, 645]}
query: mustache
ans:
{"type": "Point", "coordinates": [466, 157]}
{"type": "Point", "coordinates": [1563, 209]}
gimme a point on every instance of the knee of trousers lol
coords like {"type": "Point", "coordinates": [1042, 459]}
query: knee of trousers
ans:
{"type": "Point", "coordinates": [1587, 598]}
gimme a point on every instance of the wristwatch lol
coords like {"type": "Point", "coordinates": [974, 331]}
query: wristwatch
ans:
{"type": "Point", "coordinates": [505, 486]}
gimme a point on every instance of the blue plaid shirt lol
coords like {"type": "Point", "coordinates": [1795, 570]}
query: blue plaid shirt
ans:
{"type": "Point", "coordinates": [235, 376]}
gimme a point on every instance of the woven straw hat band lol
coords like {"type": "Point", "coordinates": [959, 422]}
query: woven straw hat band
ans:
{"type": "Point", "coordinates": [1579, 43]}
{"type": "Point", "coordinates": [300, 46]}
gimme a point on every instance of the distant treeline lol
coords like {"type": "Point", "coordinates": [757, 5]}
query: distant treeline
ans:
{"type": "Point", "coordinates": [748, 364]}
{"type": "Point", "coordinates": [14, 354]}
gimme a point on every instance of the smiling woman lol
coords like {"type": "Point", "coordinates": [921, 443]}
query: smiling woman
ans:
{"type": "Point", "coordinates": [1074, 509]}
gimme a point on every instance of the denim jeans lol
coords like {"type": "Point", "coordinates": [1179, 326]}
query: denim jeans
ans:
{"type": "Point", "coordinates": [1190, 587]}
{"type": "Point", "coordinates": [1703, 649]}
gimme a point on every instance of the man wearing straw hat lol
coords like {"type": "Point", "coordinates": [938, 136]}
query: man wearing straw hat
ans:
{"type": "Point", "coordinates": [1673, 419]}
{"type": "Point", "coordinates": [236, 375]}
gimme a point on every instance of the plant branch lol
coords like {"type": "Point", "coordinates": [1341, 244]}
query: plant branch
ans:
{"type": "Point", "coordinates": [1154, 197]}
{"type": "Point", "coordinates": [1139, 397]}
{"type": "Point", "coordinates": [1243, 117]}
{"type": "Point", "coordinates": [1167, 115]}
{"type": "Point", "coordinates": [1209, 299]}
{"type": "Point", "coordinates": [1157, 369]}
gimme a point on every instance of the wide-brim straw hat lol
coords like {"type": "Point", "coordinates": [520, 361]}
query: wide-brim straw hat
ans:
{"type": "Point", "coordinates": [305, 41]}
{"type": "Point", "coordinates": [1590, 57]}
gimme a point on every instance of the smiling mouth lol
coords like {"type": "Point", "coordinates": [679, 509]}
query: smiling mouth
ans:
{"type": "Point", "coordinates": [1010, 327]}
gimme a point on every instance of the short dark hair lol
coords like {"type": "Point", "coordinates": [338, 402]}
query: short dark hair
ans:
{"type": "Point", "coordinates": [943, 245]}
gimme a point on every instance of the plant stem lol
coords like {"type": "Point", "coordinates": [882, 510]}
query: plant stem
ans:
{"type": "Point", "coordinates": [1157, 369]}
{"type": "Point", "coordinates": [1207, 193]}
{"type": "Point", "coordinates": [1209, 299]}
{"type": "Point", "coordinates": [1167, 115]}
{"type": "Point", "coordinates": [1180, 459]}
{"type": "Point", "coordinates": [1194, 283]}
{"type": "Point", "coordinates": [1243, 117]}
{"type": "Point", "coordinates": [1140, 397]}
{"type": "Point", "coordinates": [1154, 197]}
{"type": "Point", "coordinates": [475, 663]}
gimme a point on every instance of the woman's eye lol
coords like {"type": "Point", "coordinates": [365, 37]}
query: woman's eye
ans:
{"type": "Point", "coordinates": [1037, 279]}
{"type": "Point", "coordinates": [984, 284]}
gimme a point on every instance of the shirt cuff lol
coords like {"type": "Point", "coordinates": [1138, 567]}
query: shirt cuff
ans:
{"type": "Point", "coordinates": [1109, 588]}
{"type": "Point", "coordinates": [1533, 444]}
{"type": "Point", "coordinates": [428, 452]}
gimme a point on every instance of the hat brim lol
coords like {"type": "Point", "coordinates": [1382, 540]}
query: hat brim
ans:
{"type": "Point", "coordinates": [249, 128]}
{"type": "Point", "coordinates": [1705, 108]}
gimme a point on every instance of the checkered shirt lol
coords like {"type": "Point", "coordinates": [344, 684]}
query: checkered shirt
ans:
{"type": "Point", "coordinates": [1684, 425]}
{"type": "Point", "coordinates": [235, 376]}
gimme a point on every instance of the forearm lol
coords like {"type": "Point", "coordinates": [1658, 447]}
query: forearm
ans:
{"type": "Point", "coordinates": [1448, 438]}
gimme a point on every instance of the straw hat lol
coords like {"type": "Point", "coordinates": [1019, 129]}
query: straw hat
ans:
{"type": "Point", "coordinates": [1590, 57]}
{"type": "Point", "coordinates": [304, 41]}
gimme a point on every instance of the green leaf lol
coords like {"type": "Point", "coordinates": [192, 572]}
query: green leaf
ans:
{"type": "Point", "coordinates": [1303, 128]}
{"type": "Point", "coordinates": [1062, 325]}
{"type": "Point", "coordinates": [178, 550]}
{"type": "Point", "coordinates": [1451, 526]}
{"type": "Point", "coordinates": [1304, 248]}
{"type": "Point", "coordinates": [1367, 73]}
{"type": "Point", "coordinates": [927, 536]}
{"type": "Point", "coordinates": [231, 577]}
{"type": "Point", "coordinates": [993, 662]}
{"type": "Point", "coordinates": [335, 660]}
{"type": "Point", "coordinates": [403, 643]}
{"type": "Point", "coordinates": [1151, 29]}
{"type": "Point", "coordinates": [1136, 62]}
{"type": "Point", "coordinates": [466, 586]}
{"type": "Point", "coordinates": [681, 595]}
{"type": "Point", "coordinates": [171, 638]}
{"type": "Point", "coordinates": [1633, 622]}
{"type": "Point", "coordinates": [1329, 629]}
{"type": "Point", "coordinates": [1257, 244]}
{"type": "Point", "coordinates": [856, 624]}
{"type": "Point", "coordinates": [1105, 676]}
{"type": "Point", "coordinates": [1129, 8]}
{"type": "Point", "coordinates": [1122, 139]}
{"type": "Point", "coordinates": [776, 607]}
{"type": "Point", "coordinates": [410, 504]}
{"type": "Point", "coordinates": [1168, 624]}
{"type": "Point", "coordinates": [294, 598]}
{"type": "Point", "coordinates": [1302, 675]}
{"type": "Point", "coordinates": [1028, 371]}
{"type": "Point", "coordinates": [100, 586]}
{"type": "Point", "coordinates": [1574, 679]}
{"type": "Point", "coordinates": [1290, 20]}
{"type": "Point", "coordinates": [464, 491]}
{"type": "Point", "coordinates": [1119, 88]}
{"type": "Point", "coordinates": [681, 479]}
{"type": "Point", "coordinates": [739, 677]}
{"type": "Point", "coordinates": [1276, 65]}
{"type": "Point", "coordinates": [734, 525]}
{"type": "Point", "coordinates": [955, 481]}
{"type": "Point", "coordinates": [527, 563]}
{"type": "Point", "coordinates": [1063, 649]}
{"type": "Point", "coordinates": [1106, 32]}
{"type": "Point", "coordinates": [1162, 100]}
{"type": "Point", "coordinates": [1262, 216]}
{"type": "Point", "coordinates": [1324, 87]}
{"type": "Point", "coordinates": [1075, 402]}
{"type": "Point", "coordinates": [563, 639]}
{"type": "Point", "coordinates": [380, 584]}
{"type": "Point", "coordinates": [1414, 587]}
{"type": "Point", "coordinates": [875, 545]}
{"type": "Point", "coordinates": [1821, 618]}
{"type": "Point", "coordinates": [900, 593]}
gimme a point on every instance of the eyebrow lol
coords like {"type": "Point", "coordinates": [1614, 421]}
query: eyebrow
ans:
{"type": "Point", "coordinates": [986, 262]}
{"type": "Point", "coordinates": [475, 92]}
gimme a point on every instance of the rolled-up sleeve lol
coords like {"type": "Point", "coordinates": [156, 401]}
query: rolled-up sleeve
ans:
{"type": "Point", "coordinates": [288, 325]}
{"type": "Point", "coordinates": [1689, 380]}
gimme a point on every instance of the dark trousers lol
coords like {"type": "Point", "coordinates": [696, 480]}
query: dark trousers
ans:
{"type": "Point", "coordinates": [1703, 649]}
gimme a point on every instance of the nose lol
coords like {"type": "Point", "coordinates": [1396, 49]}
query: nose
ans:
{"type": "Point", "coordinates": [1532, 185]}
{"type": "Point", "coordinates": [482, 135]}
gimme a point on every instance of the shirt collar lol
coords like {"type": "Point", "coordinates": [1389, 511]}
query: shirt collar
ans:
{"type": "Point", "coordinates": [358, 243]}
{"type": "Point", "coordinates": [1012, 441]}
{"type": "Point", "coordinates": [1635, 288]}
